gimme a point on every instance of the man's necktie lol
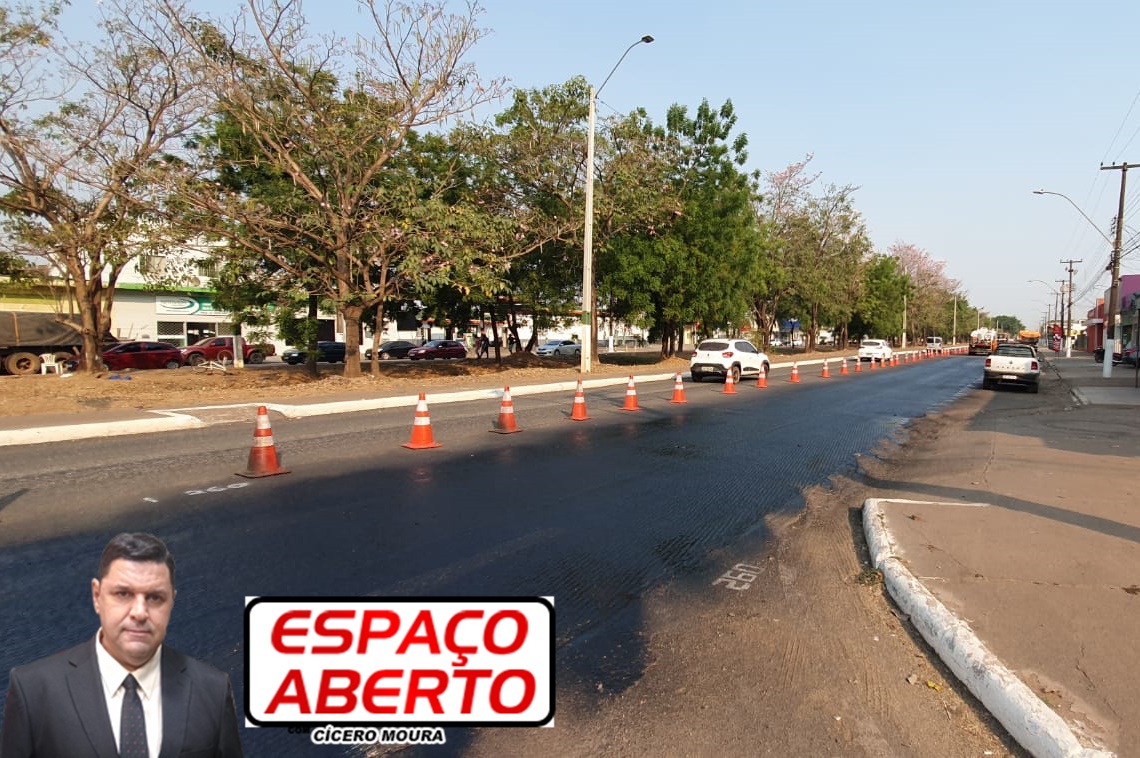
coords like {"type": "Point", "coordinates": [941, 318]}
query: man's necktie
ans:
{"type": "Point", "coordinates": [132, 727]}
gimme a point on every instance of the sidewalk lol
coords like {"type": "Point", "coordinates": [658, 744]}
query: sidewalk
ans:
{"type": "Point", "coordinates": [1014, 548]}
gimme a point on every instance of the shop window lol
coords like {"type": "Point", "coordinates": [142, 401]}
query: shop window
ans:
{"type": "Point", "coordinates": [173, 332]}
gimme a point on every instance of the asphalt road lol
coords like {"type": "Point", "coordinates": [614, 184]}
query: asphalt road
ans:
{"type": "Point", "coordinates": [593, 513]}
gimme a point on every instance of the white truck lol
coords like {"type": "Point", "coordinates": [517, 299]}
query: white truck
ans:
{"type": "Point", "coordinates": [1011, 363]}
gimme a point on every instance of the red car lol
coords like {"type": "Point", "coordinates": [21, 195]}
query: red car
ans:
{"type": "Point", "coordinates": [138, 355]}
{"type": "Point", "coordinates": [438, 349]}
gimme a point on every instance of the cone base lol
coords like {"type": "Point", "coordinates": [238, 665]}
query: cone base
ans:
{"type": "Point", "coordinates": [499, 430]}
{"type": "Point", "coordinates": [579, 418]}
{"type": "Point", "coordinates": [420, 445]}
{"type": "Point", "coordinates": [260, 474]}
{"type": "Point", "coordinates": [682, 400]}
{"type": "Point", "coordinates": [631, 409]}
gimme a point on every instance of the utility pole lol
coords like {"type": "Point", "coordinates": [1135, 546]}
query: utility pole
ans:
{"type": "Point", "coordinates": [1068, 327]}
{"type": "Point", "coordinates": [1059, 311]}
{"type": "Point", "coordinates": [954, 336]}
{"type": "Point", "coordinates": [1114, 267]}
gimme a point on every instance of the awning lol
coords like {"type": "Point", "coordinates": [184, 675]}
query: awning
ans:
{"type": "Point", "coordinates": [1092, 322]}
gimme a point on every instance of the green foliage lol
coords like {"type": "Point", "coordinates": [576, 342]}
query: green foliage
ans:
{"type": "Point", "coordinates": [692, 267]}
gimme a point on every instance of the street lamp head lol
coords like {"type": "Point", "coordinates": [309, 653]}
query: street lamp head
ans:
{"type": "Point", "coordinates": [1038, 192]}
{"type": "Point", "coordinates": [647, 39]}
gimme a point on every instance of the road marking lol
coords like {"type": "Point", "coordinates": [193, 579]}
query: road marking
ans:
{"type": "Point", "coordinates": [740, 577]}
{"type": "Point", "coordinates": [234, 486]}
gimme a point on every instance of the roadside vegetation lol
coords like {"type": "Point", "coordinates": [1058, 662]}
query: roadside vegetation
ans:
{"type": "Point", "coordinates": [347, 175]}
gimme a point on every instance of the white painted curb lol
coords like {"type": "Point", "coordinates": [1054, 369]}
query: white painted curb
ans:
{"type": "Point", "coordinates": [167, 421]}
{"type": "Point", "coordinates": [1033, 724]}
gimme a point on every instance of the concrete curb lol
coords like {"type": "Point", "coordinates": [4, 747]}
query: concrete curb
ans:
{"type": "Point", "coordinates": [1032, 723]}
{"type": "Point", "coordinates": [167, 421]}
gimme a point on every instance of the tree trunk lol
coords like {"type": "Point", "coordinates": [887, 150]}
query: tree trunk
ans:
{"type": "Point", "coordinates": [311, 342]}
{"type": "Point", "coordinates": [352, 315]}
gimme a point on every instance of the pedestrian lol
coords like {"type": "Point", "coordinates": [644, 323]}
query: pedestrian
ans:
{"type": "Point", "coordinates": [122, 692]}
{"type": "Point", "coordinates": [484, 347]}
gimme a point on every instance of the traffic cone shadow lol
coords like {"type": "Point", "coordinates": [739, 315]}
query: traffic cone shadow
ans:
{"type": "Point", "coordinates": [505, 424]}
{"type": "Point", "coordinates": [263, 459]}
{"type": "Point", "coordinates": [421, 428]}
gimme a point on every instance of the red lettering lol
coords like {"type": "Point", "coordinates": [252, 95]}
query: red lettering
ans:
{"type": "Point", "coordinates": [293, 681]}
{"type": "Point", "coordinates": [529, 688]}
{"type": "Point", "coordinates": [279, 631]}
{"type": "Point", "coordinates": [322, 629]}
{"type": "Point", "coordinates": [415, 636]}
{"type": "Point", "coordinates": [472, 676]}
{"type": "Point", "coordinates": [415, 691]}
{"type": "Point", "coordinates": [372, 691]}
{"type": "Point", "coordinates": [330, 690]}
{"type": "Point", "coordinates": [368, 633]}
{"type": "Point", "coordinates": [521, 627]}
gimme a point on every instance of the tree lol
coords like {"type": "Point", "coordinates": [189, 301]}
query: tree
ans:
{"type": "Point", "coordinates": [879, 308]}
{"type": "Point", "coordinates": [826, 242]}
{"type": "Point", "coordinates": [333, 119]}
{"type": "Point", "coordinates": [534, 162]}
{"type": "Point", "coordinates": [780, 211]}
{"type": "Point", "coordinates": [931, 293]}
{"type": "Point", "coordinates": [82, 127]}
{"type": "Point", "coordinates": [693, 268]}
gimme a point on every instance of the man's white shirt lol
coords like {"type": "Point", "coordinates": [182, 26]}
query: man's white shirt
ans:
{"type": "Point", "coordinates": [149, 677]}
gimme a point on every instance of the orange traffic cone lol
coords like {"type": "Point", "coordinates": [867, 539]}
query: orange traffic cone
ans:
{"type": "Point", "coordinates": [762, 379]}
{"type": "Point", "coordinates": [421, 428]}
{"type": "Point", "coordinates": [505, 424]}
{"type": "Point", "coordinates": [825, 374]}
{"type": "Point", "coordinates": [858, 365]}
{"type": "Point", "coordinates": [729, 383]}
{"type": "Point", "coordinates": [263, 455]}
{"type": "Point", "coordinates": [795, 377]}
{"type": "Point", "coordinates": [630, 397]}
{"type": "Point", "coordinates": [843, 367]}
{"type": "Point", "coordinates": [872, 363]}
{"type": "Point", "coordinates": [578, 412]}
{"type": "Point", "coordinates": [678, 390]}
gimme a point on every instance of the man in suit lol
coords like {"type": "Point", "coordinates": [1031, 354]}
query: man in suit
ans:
{"type": "Point", "coordinates": [122, 693]}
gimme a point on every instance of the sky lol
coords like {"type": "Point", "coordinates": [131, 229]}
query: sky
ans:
{"type": "Point", "coordinates": [945, 115]}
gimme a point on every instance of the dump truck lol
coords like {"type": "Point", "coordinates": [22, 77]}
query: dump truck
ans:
{"type": "Point", "coordinates": [25, 336]}
{"type": "Point", "coordinates": [1028, 337]}
{"type": "Point", "coordinates": [983, 341]}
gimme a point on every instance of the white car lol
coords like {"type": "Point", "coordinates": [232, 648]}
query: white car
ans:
{"type": "Point", "coordinates": [875, 349]}
{"type": "Point", "coordinates": [723, 356]}
{"type": "Point", "coordinates": [558, 348]}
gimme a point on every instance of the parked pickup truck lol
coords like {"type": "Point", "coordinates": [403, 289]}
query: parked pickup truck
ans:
{"type": "Point", "coordinates": [1012, 364]}
{"type": "Point", "coordinates": [222, 349]}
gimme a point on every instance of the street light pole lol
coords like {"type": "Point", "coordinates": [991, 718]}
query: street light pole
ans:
{"type": "Point", "coordinates": [587, 357]}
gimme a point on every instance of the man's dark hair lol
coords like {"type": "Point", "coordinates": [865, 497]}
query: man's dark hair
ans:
{"type": "Point", "coordinates": [140, 546]}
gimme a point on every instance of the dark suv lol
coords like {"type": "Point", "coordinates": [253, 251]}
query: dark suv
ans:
{"type": "Point", "coordinates": [327, 352]}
